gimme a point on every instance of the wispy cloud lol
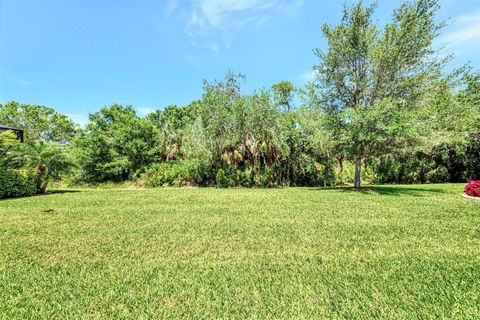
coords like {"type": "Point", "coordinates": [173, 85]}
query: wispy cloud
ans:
{"type": "Point", "coordinates": [221, 18]}
{"type": "Point", "coordinates": [308, 76]}
{"type": "Point", "coordinates": [170, 7]}
{"type": "Point", "coordinates": [18, 80]}
{"type": "Point", "coordinates": [225, 14]}
{"type": "Point", "coordinates": [465, 28]}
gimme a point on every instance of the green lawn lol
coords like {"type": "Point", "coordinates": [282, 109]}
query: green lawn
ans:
{"type": "Point", "coordinates": [395, 252]}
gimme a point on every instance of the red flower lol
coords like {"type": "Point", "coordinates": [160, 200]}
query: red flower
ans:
{"type": "Point", "coordinates": [473, 188]}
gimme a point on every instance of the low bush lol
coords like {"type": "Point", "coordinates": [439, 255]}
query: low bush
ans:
{"type": "Point", "coordinates": [438, 175]}
{"type": "Point", "coordinates": [178, 173]}
{"type": "Point", "coordinates": [473, 188]}
{"type": "Point", "coordinates": [16, 183]}
{"type": "Point", "coordinates": [223, 180]}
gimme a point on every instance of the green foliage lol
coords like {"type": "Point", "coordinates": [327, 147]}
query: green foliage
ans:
{"type": "Point", "coordinates": [472, 157]}
{"type": "Point", "coordinates": [16, 183]}
{"type": "Point", "coordinates": [228, 177]}
{"type": "Point", "coordinates": [283, 94]}
{"type": "Point", "coordinates": [441, 164]}
{"type": "Point", "coordinates": [172, 124]}
{"type": "Point", "coordinates": [48, 161]}
{"type": "Point", "coordinates": [373, 85]}
{"type": "Point", "coordinates": [381, 109]}
{"type": "Point", "coordinates": [116, 145]}
{"type": "Point", "coordinates": [8, 139]}
{"type": "Point", "coordinates": [175, 173]}
{"type": "Point", "coordinates": [470, 95]}
{"type": "Point", "coordinates": [439, 174]}
{"type": "Point", "coordinates": [223, 180]}
{"type": "Point", "coordinates": [38, 122]}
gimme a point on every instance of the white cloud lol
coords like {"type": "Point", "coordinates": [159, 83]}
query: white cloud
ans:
{"type": "Point", "coordinates": [206, 18]}
{"type": "Point", "coordinates": [219, 13]}
{"type": "Point", "coordinates": [290, 8]}
{"type": "Point", "coordinates": [464, 29]}
{"type": "Point", "coordinates": [22, 82]}
{"type": "Point", "coordinates": [308, 76]}
{"type": "Point", "coordinates": [212, 46]}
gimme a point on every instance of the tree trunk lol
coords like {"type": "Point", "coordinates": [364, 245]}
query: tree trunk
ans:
{"type": "Point", "coordinates": [358, 169]}
{"type": "Point", "coordinates": [340, 159]}
{"type": "Point", "coordinates": [41, 186]}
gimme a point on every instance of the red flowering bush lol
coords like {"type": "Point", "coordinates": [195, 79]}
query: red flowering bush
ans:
{"type": "Point", "coordinates": [473, 188]}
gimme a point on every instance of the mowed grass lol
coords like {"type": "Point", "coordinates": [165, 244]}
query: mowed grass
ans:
{"type": "Point", "coordinates": [395, 252]}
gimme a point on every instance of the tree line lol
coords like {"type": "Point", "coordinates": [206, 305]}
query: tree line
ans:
{"type": "Point", "coordinates": [382, 108]}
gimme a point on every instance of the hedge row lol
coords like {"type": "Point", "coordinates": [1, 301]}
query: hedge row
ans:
{"type": "Point", "coordinates": [16, 183]}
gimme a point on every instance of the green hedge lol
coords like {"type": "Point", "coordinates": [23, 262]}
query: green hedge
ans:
{"type": "Point", "coordinates": [16, 183]}
{"type": "Point", "coordinates": [179, 173]}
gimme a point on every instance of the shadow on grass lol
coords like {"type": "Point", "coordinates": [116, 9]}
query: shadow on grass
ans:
{"type": "Point", "coordinates": [48, 193]}
{"type": "Point", "coordinates": [61, 191]}
{"type": "Point", "coordinates": [388, 190]}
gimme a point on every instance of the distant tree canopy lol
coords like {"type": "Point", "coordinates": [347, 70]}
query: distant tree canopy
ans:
{"type": "Point", "coordinates": [382, 109]}
{"type": "Point", "coordinates": [115, 144]}
{"type": "Point", "coordinates": [283, 94]}
{"type": "Point", "coordinates": [38, 122]}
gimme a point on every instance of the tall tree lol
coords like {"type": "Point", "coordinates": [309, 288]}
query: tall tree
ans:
{"type": "Point", "coordinates": [371, 82]}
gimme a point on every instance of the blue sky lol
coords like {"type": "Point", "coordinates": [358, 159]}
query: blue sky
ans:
{"type": "Point", "coordinates": [79, 55]}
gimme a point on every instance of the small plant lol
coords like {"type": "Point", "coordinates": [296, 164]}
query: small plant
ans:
{"type": "Point", "coordinates": [472, 188]}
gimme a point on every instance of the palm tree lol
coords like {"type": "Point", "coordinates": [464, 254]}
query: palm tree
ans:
{"type": "Point", "coordinates": [49, 161]}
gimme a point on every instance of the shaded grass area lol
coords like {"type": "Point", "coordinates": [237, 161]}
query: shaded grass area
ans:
{"type": "Point", "coordinates": [392, 252]}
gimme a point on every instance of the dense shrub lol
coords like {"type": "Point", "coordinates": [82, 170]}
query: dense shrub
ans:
{"type": "Point", "coordinates": [244, 178]}
{"type": "Point", "coordinates": [223, 180]}
{"type": "Point", "coordinates": [16, 183]}
{"type": "Point", "coordinates": [265, 178]}
{"type": "Point", "coordinates": [473, 188]}
{"type": "Point", "coordinates": [472, 156]}
{"type": "Point", "coordinates": [175, 173]}
{"type": "Point", "coordinates": [405, 168]}
{"type": "Point", "coordinates": [228, 177]}
{"type": "Point", "coordinates": [437, 175]}
{"type": "Point", "coordinates": [306, 171]}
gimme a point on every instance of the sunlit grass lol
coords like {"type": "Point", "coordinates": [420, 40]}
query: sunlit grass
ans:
{"type": "Point", "coordinates": [395, 252]}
